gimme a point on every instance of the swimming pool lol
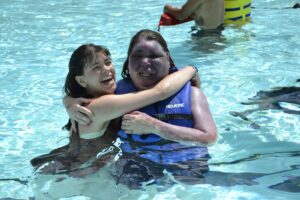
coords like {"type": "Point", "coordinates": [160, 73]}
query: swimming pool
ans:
{"type": "Point", "coordinates": [38, 38]}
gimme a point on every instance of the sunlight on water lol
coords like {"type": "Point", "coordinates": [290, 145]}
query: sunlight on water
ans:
{"type": "Point", "coordinates": [36, 41]}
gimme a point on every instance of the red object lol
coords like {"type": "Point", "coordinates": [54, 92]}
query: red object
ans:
{"type": "Point", "coordinates": [169, 20]}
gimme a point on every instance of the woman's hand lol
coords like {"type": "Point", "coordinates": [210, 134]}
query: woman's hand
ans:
{"type": "Point", "coordinates": [77, 111]}
{"type": "Point", "coordinates": [138, 123]}
{"type": "Point", "coordinates": [195, 81]}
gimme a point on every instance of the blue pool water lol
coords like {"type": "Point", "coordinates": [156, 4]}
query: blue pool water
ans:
{"type": "Point", "coordinates": [36, 41]}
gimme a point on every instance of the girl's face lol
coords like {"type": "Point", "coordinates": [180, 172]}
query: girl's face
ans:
{"type": "Point", "coordinates": [148, 64]}
{"type": "Point", "coordinates": [99, 76]}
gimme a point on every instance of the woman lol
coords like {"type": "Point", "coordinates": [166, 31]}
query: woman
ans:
{"type": "Point", "coordinates": [91, 74]}
{"type": "Point", "coordinates": [168, 136]}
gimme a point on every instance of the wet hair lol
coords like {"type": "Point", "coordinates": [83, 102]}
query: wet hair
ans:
{"type": "Point", "coordinates": [80, 58]}
{"type": "Point", "coordinates": [149, 35]}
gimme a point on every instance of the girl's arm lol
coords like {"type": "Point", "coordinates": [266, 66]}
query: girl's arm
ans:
{"type": "Point", "coordinates": [108, 107]}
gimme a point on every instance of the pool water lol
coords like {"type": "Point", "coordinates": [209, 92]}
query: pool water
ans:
{"type": "Point", "coordinates": [37, 39]}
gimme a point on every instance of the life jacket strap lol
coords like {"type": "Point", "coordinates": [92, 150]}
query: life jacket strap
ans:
{"type": "Point", "coordinates": [136, 144]}
{"type": "Point", "coordinates": [166, 117]}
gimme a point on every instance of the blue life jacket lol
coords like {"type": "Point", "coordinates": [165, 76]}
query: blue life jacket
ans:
{"type": "Point", "coordinates": [173, 110]}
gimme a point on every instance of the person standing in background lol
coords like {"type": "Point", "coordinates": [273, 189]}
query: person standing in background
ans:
{"type": "Point", "coordinates": [208, 14]}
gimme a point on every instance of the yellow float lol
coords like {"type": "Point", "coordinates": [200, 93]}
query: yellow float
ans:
{"type": "Point", "coordinates": [237, 11]}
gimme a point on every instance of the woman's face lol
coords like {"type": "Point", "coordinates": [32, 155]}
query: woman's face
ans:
{"type": "Point", "coordinates": [148, 64]}
{"type": "Point", "coordinates": [99, 76]}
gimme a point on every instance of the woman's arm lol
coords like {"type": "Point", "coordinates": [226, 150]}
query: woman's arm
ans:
{"type": "Point", "coordinates": [204, 131]}
{"type": "Point", "coordinates": [84, 116]}
{"type": "Point", "coordinates": [109, 107]}
{"type": "Point", "coordinates": [185, 11]}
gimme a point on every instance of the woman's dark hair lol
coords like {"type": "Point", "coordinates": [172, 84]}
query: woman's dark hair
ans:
{"type": "Point", "coordinates": [80, 58]}
{"type": "Point", "coordinates": [145, 34]}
